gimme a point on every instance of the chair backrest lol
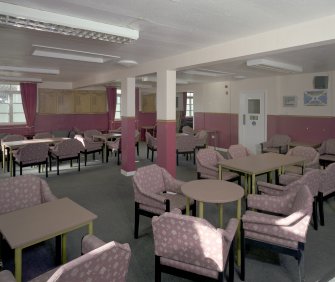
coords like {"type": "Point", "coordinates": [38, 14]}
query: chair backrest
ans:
{"type": "Point", "coordinates": [150, 140]}
{"type": "Point", "coordinates": [186, 143]}
{"type": "Point", "coordinates": [190, 240]}
{"type": "Point", "coordinates": [22, 192]}
{"type": "Point", "coordinates": [42, 135]}
{"type": "Point", "coordinates": [114, 145]}
{"type": "Point", "coordinates": [89, 133]}
{"type": "Point", "coordinates": [31, 153]}
{"type": "Point", "coordinates": [308, 153]}
{"type": "Point", "coordinates": [68, 147]}
{"type": "Point", "coordinates": [328, 184]}
{"type": "Point", "coordinates": [327, 147]}
{"type": "Point", "coordinates": [150, 179]}
{"type": "Point", "coordinates": [278, 140]}
{"type": "Point", "coordinates": [13, 137]}
{"type": "Point", "coordinates": [208, 157]}
{"type": "Point", "coordinates": [313, 179]}
{"type": "Point", "coordinates": [303, 201]}
{"type": "Point", "coordinates": [202, 136]}
{"type": "Point", "coordinates": [187, 129]}
{"type": "Point", "coordinates": [238, 151]}
{"type": "Point", "coordinates": [108, 263]}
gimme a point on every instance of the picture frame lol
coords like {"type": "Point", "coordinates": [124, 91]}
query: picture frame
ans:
{"type": "Point", "coordinates": [289, 101]}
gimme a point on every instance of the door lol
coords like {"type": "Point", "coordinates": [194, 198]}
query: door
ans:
{"type": "Point", "coordinates": [252, 120]}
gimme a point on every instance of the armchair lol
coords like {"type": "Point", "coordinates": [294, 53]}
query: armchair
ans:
{"type": "Point", "coordinates": [114, 147]}
{"type": "Point", "coordinates": [91, 266]}
{"type": "Point", "coordinates": [31, 154]}
{"type": "Point", "coordinates": [192, 248]}
{"type": "Point", "coordinates": [327, 152]}
{"type": "Point", "coordinates": [43, 135]}
{"type": "Point", "coordinates": [285, 234]}
{"type": "Point", "coordinates": [238, 151]}
{"type": "Point", "coordinates": [313, 179]}
{"type": "Point", "coordinates": [88, 134]}
{"type": "Point", "coordinates": [90, 147]}
{"type": "Point", "coordinates": [201, 136]}
{"type": "Point", "coordinates": [151, 145]}
{"type": "Point", "coordinates": [327, 188]}
{"type": "Point", "coordinates": [68, 149]}
{"type": "Point", "coordinates": [186, 144]}
{"type": "Point", "coordinates": [188, 130]}
{"type": "Point", "coordinates": [310, 155]}
{"type": "Point", "coordinates": [155, 192]}
{"type": "Point", "coordinates": [207, 166]}
{"type": "Point", "coordinates": [278, 143]}
{"type": "Point", "coordinates": [9, 138]}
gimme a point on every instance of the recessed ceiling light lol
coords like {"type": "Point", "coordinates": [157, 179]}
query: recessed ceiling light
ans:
{"type": "Point", "coordinates": [22, 17]}
{"type": "Point", "coordinates": [69, 54]}
{"type": "Point", "coordinates": [207, 72]}
{"type": "Point", "coordinates": [20, 79]}
{"type": "Point", "coordinates": [127, 63]}
{"type": "Point", "coordinates": [274, 66]}
{"type": "Point", "coordinates": [29, 70]}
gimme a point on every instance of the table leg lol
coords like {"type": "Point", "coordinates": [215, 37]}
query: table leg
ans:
{"type": "Point", "coordinates": [3, 158]}
{"type": "Point", "coordinates": [201, 209]}
{"type": "Point", "coordinates": [18, 264]}
{"type": "Point", "coordinates": [246, 184]}
{"type": "Point", "coordinates": [253, 184]}
{"type": "Point", "coordinates": [220, 172]}
{"type": "Point", "coordinates": [63, 239]}
{"type": "Point", "coordinates": [238, 235]}
{"type": "Point", "coordinates": [11, 161]}
{"type": "Point", "coordinates": [90, 228]}
{"type": "Point", "coordinates": [187, 206]}
{"type": "Point", "coordinates": [221, 215]}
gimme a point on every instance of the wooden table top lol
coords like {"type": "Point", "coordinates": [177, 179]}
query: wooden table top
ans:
{"type": "Point", "coordinates": [32, 141]}
{"type": "Point", "coordinates": [212, 191]}
{"type": "Point", "coordinates": [28, 226]}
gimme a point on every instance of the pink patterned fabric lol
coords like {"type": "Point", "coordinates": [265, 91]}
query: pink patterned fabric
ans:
{"type": "Point", "coordinates": [88, 143]}
{"type": "Point", "coordinates": [310, 155]}
{"type": "Point", "coordinates": [32, 153]}
{"type": "Point", "coordinates": [13, 137]}
{"type": "Point", "coordinates": [312, 179]}
{"type": "Point", "coordinates": [328, 184]}
{"type": "Point", "coordinates": [88, 134]}
{"type": "Point", "coordinates": [238, 151]}
{"type": "Point", "coordinates": [67, 148]}
{"type": "Point", "coordinates": [327, 147]}
{"type": "Point", "coordinates": [191, 243]}
{"type": "Point", "coordinates": [278, 143]}
{"type": "Point", "coordinates": [186, 143]}
{"type": "Point", "coordinates": [106, 263]}
{"type": "Point", "coordinates": [207, 165]}
{"type": "Point", "coordinates": [23, 192]}
{"type": "Point", "coordinates": [150, 140]}
{"type": "Point", "coordinates": [285, 231]}
{"type": "Point", "coordinates": [202, 136]}
{"type": "Point", "coordinates": [114, 145]}
{"type": "Point", "coordinates": [188, 130]}
{"type": "Point", "coordinates": [150, 186]}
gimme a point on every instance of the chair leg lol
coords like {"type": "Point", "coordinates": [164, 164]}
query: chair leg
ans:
{"type": "Point", "coordinates": [231, 262]}
{"type": "Point", "coordinates": [137, 219]}
{"type": "Point", "coordinates": [20, 168]}
{"type": "Point", "coordinates": [194, 209]}
{"type": "Point", "coordinates": [107, 155]}
{"type": "Point", "coordinates": [57, 165]}
{"type": "Point", "coordinates": [147, 152]}
{"type": "Point", "coordinates": [137, 149]}
{"type": "Point", "coordinates": [46, 167]}
{"type": "Point", "coordinates": [242, 275]}
{"type": "Point", "coordinates": [50, 162]}
{"type": "Point", "coordinates": [152, 155]}
{"type": "Point", "coordinates": [79, 161]}
{"type": "Point", "coordinates": [315, 214]}
{"type": "Point", "coordinates": [321, 211]}
{"type": "Point", "coordinates": [301, 264]}
{"type": "Point", "coordinates": [118, 157]}
{"type": "Point", "coordinates": [85, 157]}
{"type": "Point", "coordinates": [14, 168]}
{"type": "Point", "coordinates": [177, 159]}
{"type": "Point", "coordinates": [157, 269]}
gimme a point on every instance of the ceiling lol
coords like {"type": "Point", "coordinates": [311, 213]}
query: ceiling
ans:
{"type": "Point", "coordinates": [166, 28]}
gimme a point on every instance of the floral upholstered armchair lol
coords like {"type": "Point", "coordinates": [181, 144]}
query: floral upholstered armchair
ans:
{"type": "Point", "coordinates": [103, 262]}
{"type": "Point", "coordinates": [191, 247]}
{"type": "Point", "coordinates": [310, 155]}
{"type": "Point", "coordinates": [278, 143]}
{"type": "Point", "coordinates": [327, 152]}
{"type": "Point", "coordinates": [238, 151]}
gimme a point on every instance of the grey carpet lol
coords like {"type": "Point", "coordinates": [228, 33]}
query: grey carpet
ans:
{"type": "Point", "coordinates": [103, 190]}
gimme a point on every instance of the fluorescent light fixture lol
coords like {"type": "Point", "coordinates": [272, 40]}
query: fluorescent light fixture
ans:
{"type": "Point", "coordinates": [127, 63]}
{"type": "Point", "coordinates": [20, 79]}
{"type": "Point", "coordinates": [22, 17]}
{"type": "Point", "coordinates": [69, 54]}
{"type": "Point", "coordinates": [154, 79]}
{"type": "Point", "coordinates": [273, 66]}
{"type": "Point", "coordinates": [207, 72]}
{"type": "Point", "coordinates": [29, 70]}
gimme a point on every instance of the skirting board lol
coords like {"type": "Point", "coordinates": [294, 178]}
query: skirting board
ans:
{"type": "Point", "coordinates": [127, 173]}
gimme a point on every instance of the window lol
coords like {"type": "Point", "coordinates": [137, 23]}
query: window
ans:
{"type": "Point", "coordinates": [11, 109]}
{"type": "Point", "coordinates": [118, 105]}
{"type": "Point", "coordinates": [189, 104]}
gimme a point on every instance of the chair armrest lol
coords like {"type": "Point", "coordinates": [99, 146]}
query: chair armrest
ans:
{"type": "Point", "coordinates": [229, 233]}
{"type": "Point", "coordinates": [267, 203]}
{"type": "Point", "coordinates": [172, 184]}
{"type": "Point", "coordinates": [89, 243]}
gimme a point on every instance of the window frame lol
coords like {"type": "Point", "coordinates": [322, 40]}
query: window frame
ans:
{"type": "Point", "coordinates": [189, 112]}
{"type": "Point", "coordinates": [118, 98]}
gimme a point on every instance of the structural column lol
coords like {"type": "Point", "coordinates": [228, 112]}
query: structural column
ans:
{"type": "Point", "coordinates": [166, 120]}
{"type": "Point", "coordinates": [128, 126]}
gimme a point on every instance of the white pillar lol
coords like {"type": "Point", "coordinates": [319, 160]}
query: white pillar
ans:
{"type": "Point", "coordinates": [128, 97]}
{"type": "Point", "coordinates": [166, 95]}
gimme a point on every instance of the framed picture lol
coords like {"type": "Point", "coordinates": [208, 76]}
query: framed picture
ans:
{"type": "Point", "coordinates": [315, 98]}
{"type": "Point", "coordinates": [289, 101]}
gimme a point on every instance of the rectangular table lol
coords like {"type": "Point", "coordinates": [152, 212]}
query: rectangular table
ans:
{"type": "Point", "coordinates": [254, 165]}
{"type": "Point", "coordinates": [17, 144]}
{"type": "Point", "coordinates": [26, 227]}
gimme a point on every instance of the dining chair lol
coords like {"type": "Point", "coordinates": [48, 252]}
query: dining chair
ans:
{"type": "Point", "coordinates": [192, 248]}
{"type": "Point", "coordinates": [284, 233]}
{"type": "Point", "coordinates": [10, 138]}
{"type": "Point", "coordinates": [186, 145]}
{"type": "Point", "coordinates": [31, 154]}
{"type": "Point", "coordinates": [188, 130]}
{"type": "Point", "coordinates": [155, 192]}
{"type": "Point", "coordinates": [278, 143]}
{"type": "Point", "coordinates": [42, 135]}
{"type": "Point", "coordinates": [151, 145]}
{"type": "Point", "coordinates": [310, 155]}
{"type": "Point", "coordinates": [327, 188]}
{"type": "Point", "coordinates": [100, 261]}
{"type": "Point", "coordinates": [207, 161]}
{"type": "Point", "coordinates": [238, 151]}
{"type": "Point", "coordinates": [202, 137]}
{"type": "Point", "coordinates": [90, 147]}
{"type": "Point", "coordinates": [327, 152]}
